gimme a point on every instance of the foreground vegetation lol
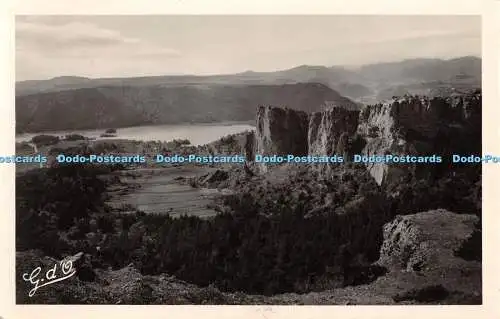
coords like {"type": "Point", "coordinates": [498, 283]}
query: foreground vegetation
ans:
{"type": "Point", "coordinates": [304, 235]}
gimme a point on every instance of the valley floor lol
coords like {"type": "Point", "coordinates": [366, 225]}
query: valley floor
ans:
{"type": "Point", "coordinates": [158, 190]}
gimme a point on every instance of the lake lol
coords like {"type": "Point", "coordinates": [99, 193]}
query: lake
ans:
{"type": "Point", "coordinates": [197, 134]}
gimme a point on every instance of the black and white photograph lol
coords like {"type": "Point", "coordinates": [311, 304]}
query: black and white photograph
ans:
{"type": "Point", "coordinates": [248, 160]}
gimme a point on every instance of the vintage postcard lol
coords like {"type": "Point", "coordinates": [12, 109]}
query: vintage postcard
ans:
{"type": "Point", "coordinates": [288, 160]}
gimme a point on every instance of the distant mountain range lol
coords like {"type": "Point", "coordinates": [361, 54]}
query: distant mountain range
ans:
{"type": "Point", "coordinates": [71, 102]}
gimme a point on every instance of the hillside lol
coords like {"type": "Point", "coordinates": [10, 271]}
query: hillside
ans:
{"type": "Point", "coordinates": [422, 69]}
{"type": "Point", "coordinates": [71, 102]}
{"type": "Point", "coordinates": [120, 106]}
{"type": "Point", "coordinates": [351, 82]}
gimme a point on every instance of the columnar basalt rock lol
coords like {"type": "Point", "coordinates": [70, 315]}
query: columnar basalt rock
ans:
{"type": "Point", "coordinates": [329, 131]}
{"type": "Point", "coordinates": [418, 126]}
{"type": "Point", "coordinates": [379, 126]}
{"type": "Point", "coordinates": [411, 125]}
{"type": "Point", "coordinates": [281, 131]}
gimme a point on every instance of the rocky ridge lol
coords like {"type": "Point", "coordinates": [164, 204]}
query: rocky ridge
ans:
{"type": "Point", "coordinates": [281, 131]}
{"type": "Point", "coordinates": [415, 126]}
{"type": "Point", "coordinates": [329, 131]}
{"type": "Point", "coordinates": [410, 125]}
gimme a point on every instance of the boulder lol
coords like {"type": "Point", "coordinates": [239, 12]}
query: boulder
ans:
{"type": "Point", "coordinates": [426, 241]}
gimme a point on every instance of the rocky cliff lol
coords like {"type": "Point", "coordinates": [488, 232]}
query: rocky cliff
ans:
{"type": "Point", "coordinates": [329, 130]}
{"type": "Point", "coordinates": [410, 125]}
{"type": "Point", "coordinates": [419, 126]}
{"type": "Point", "coordinates": [281, 131]}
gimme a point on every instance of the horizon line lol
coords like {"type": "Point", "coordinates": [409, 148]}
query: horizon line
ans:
{"type": "Point", "coordinates": [346, 67]}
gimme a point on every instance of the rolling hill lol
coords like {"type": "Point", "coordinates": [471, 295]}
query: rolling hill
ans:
{"type": "Point", "coordinates": [71, 102]}
{"type": "Point", "coordinates": [120, 106]}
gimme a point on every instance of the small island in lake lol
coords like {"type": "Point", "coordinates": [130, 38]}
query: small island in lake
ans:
{"type": "Point", "coordinates": [110, 132]}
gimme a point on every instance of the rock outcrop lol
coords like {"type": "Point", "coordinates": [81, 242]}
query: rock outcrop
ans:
{"type": "Point", "coordinates": [330, 130]}
{"type": "Point", "coordinates": [281, 131]}
{"type": "Point", "coordinates": [240, 143]}
{"type": "Point", "coordinates": [424, 255]}
{"type": "Point", "coordinates": [378, 125]}
{"type": "Point", "coordinates": [411, 125]}
{"type": "Point", "coordinates": [427, 241]}
{"type": "Point", "coordinates": [419, 126]}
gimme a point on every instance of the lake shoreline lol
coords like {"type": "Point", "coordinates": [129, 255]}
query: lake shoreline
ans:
{"type": "Point", "coordinates": [224, 123]}
{"type": "Point", "coordinates": [197, 133]}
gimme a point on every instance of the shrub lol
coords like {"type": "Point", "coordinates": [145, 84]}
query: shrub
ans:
{"type": "Point", "coordinates": [74, 137]}
{"type": "Point", "coordinates": [106, 223]}
{"type": "Point", "coordinates": [45, 140]}
{"type": "Point", "coordinates": [107, 135]}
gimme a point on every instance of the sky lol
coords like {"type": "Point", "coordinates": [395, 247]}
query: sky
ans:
{"type": "Point", "coordinates": [128, 46]}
